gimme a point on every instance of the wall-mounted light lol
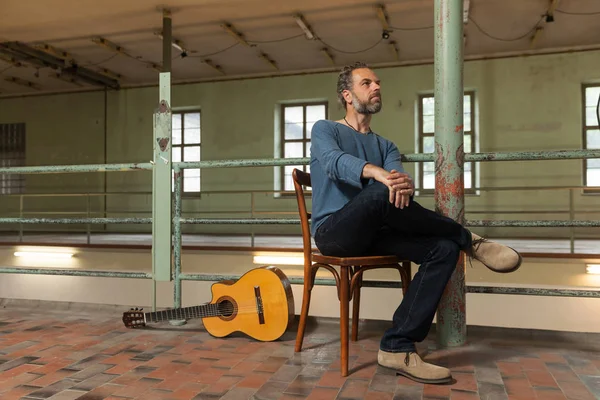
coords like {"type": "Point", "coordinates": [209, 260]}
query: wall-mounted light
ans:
{"type": "Point", "coordinates": [278, 260]}
{"type": "Point", "coordinates": [43, 255]}
{"type": "Point", "coordinates": [593, 269]}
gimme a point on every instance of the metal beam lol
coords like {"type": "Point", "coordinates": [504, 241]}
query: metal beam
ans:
{"type": "Point", "coordinates": [449, 163]}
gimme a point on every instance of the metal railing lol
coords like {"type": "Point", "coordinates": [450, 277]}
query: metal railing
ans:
{"type": "Point", "coordinates": [176, 274]}
{"type": "Point", "coordinates": [255, 195]}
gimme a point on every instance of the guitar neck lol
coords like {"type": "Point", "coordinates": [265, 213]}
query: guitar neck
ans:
{"type": "Point", "coordinates": [206, 310]}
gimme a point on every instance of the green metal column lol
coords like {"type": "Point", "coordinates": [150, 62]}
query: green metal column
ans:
{"type": "Point", "coordinates": [161, 173]}
{"type": "Point", "coordinates": [449, 161]}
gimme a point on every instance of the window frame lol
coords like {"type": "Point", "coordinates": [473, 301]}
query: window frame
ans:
{"type": "Point", "coordinates": [304, 139]}
{"type": "Point", "coordinates": [17, 145]}
{"type": "Point", "coordinates": [181, 147]}
{"type": "Point", "coordinates": [584, 129]}
{"type": "Point", "coordinates": [420, 142]}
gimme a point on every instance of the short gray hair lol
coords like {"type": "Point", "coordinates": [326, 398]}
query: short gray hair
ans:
{"type": "Point", "coordinates": [345, 79]}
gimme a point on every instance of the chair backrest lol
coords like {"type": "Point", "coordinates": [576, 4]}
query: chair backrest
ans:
{"type": "Point", "coordinates": [303, 179]}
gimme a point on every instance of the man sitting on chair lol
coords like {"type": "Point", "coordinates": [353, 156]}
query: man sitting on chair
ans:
{"type": "Point", "coordinates": [362, 204]}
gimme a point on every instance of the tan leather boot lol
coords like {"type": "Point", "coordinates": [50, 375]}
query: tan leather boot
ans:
{"type": "Point", "coordinates": [411, 366]}
{"type": "Point", "coordinates": [495, 256]}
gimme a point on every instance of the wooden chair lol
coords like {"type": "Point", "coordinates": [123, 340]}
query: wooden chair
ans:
{"type": "Point", "coordinates": [348, 280]}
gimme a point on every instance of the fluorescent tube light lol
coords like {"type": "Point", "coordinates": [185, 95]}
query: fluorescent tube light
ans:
{"type": "Point", "coordinates": [278, 260]}
{"type": "Point", "coordinates": [43, 254]}
{"type": "Point", "coordinates": [593, 269]}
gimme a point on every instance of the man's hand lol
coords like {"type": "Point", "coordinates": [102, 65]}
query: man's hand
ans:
{"type": "Point", "coordinates": [399, 184]}
{"type": "Point", "coordinates": [401, 188]}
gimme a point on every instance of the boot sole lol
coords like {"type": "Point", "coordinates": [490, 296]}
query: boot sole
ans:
{"type": "Point", "coordinates": [417, 379]}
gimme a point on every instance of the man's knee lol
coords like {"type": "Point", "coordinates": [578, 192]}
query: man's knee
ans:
{"type": "Point", "coordinates": [379, 191]}
{"type": "Point", "coordinates": [446, 249]}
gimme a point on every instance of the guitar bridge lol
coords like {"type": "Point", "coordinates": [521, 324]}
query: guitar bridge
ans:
{"type": "Point", "coordinates": [259, 305]}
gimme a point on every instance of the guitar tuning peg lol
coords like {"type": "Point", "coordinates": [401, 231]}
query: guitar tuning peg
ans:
{"type": "Point", "coordinates": [141, 308]}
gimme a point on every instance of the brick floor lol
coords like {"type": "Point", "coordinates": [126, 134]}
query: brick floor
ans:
{"type": "Point", "coordinates": [62, 355]}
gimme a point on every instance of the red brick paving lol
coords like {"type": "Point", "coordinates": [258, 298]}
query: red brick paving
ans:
{"type": "Point", "coordinates": [56, 355]}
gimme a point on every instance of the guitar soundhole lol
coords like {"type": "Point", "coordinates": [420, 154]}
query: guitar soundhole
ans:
{"type": "Point", "coordinates": [227, 308]}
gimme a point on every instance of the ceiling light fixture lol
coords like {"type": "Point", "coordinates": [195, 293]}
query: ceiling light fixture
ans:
{"type": "Point", "coordinates": [304, 26]}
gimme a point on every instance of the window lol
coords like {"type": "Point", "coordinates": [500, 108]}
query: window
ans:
{"type": "Point", "coordinates": [297, 121]}
{"type": "Point", "coordinates": [426, 140]}
{"type": "Point", "coordinates": [12, 154]}
{"type": "Point", "coordinates": [591, 133]}
{"type": "Point", "coordinates": [186, 147]}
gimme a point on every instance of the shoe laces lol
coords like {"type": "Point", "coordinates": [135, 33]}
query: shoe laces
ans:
{"type": "Point", "coordinates": [474, 248]}
{"type": "Point", "coordinates": [407, 358]}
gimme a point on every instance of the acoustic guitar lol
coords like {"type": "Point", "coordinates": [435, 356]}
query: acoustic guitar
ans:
{"type": "Point", "coordinates": [260, 304]}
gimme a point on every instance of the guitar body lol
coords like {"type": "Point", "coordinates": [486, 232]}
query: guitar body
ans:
{"type": "Point", "coordinates": [260, 304]}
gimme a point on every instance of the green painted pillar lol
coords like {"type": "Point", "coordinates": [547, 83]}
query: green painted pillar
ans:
{"type": "Point", "coordinates": [449, 161]}
{"type": "Point", "coordinates": [161, 173]}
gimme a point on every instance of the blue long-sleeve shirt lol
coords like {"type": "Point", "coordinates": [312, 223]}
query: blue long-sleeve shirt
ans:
{"type": "Point", "coordinates": [338, 155]}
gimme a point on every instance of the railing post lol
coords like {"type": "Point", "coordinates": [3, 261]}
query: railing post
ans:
{"type": "Point", "coordinates": [251, 216]}
{"type": "Point", "coordinates": [89, 226]}
{"type": "Point", "coordinates": [177, 239]}
{"type": "Point", "coordinates": [572, 217]}
{"type": "Point", "coordinates": [449, 163]}
{"type": "Point", "coordinates": [21, 216]}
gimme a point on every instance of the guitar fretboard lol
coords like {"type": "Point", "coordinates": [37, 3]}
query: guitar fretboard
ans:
{"type": "Point", "coordinates": [206, 310]}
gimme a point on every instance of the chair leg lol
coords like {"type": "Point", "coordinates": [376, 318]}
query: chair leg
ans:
{"type": "Point", "coordinates": [344, 317]}
{"type": "Point", "coordinates": [406, 276]}
{"type": "Point", "coordinates": [356, 306]}
{"type": "Point", "coordinates": [308, 285]}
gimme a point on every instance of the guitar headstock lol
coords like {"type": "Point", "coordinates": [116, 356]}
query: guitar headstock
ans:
{"type": "Point", "coordinates": [134, 318]}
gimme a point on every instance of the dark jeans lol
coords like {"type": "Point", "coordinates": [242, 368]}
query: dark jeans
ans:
{"type": "Point", "coordinates": [370, 225]}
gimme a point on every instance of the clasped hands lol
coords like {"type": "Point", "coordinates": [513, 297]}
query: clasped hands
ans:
{"type": "Point", "coordinates": [401, 188]}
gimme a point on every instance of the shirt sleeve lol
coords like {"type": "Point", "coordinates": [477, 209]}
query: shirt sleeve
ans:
{"type": "Point", "coordinates": [392, 158]}
{"type": "Point", "coordinates": [338, 165]}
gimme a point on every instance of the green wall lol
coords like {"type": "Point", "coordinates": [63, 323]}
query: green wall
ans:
{"type": "Point", "coordinates": [526, 103]}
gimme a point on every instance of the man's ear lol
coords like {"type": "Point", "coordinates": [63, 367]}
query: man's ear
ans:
{"type": "Point", "coordinates": [347, 96]}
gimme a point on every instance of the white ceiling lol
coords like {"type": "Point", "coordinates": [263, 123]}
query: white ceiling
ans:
{"type": "Point", "coordinates": [349, 28]}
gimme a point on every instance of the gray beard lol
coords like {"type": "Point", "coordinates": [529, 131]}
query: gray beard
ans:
{"type": "Point", "coordinates": [366, 107]}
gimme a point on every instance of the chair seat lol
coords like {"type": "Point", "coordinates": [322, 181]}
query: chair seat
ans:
{"type": "Point", "coordinates": [355, 261]}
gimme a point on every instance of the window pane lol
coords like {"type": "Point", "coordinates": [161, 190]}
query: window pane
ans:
{"type": "Point", "coordinates": [468, 175]}
{"type": "Point", "coordinates": [293, 130]}
{"type": "Point", "coordinates": [467, 103]}
{"type": "Point", "coordinates": [192, 173]}
{"type": "Point", "coordinates": [315, 113]}
{"type": "Point", "coordinates": [591, 96]}
{"type": "Point", "coordinates": [428, 144]}
{"type": "Point", "coordinates": [309, 126]}
{"type": "Point", "coordinates": [288, 181]}
{"type": "Point", "coordinates": [428, 123]}
{"type": "Point", "coordinates": [176, 128]}
{"type": "Point", "coordinates": [176, 154]}
{"type": "Point", "coordinates": [293, 114]}
{"type": "Point", "coordinates": [467, 144]}
{"type": "Point", "coordinates": [191, 120]}
{"type": "Point", "coordinates": [428, 175]}
{"type": "Point", "coordinates": [176, 121]}
{"type": "Point", "coordinates": [593, 139]}
{"type": "Point", "coordinates": [191, 153]}
{"type": "Point", "coordinates": [191, 136]}
{"type": "Point", "coordinates": [428, 106]}
{"type": "Point", "coordinates": [307, 149]}
{"type": "Point", "coordinates": [293, 150]}
{"type": "Point", "coordinates": [191, 183]}
{"type": "Point", "coordinates": [467, 120]}
{"type": "Point", "coordinates": [591, 119]}
{"type": "Point", "coordinates": [593, 163]}
{"type": "Point", "coordinates": [593, 177]}
{"type": "Point", "coordinates": [176, 136]}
